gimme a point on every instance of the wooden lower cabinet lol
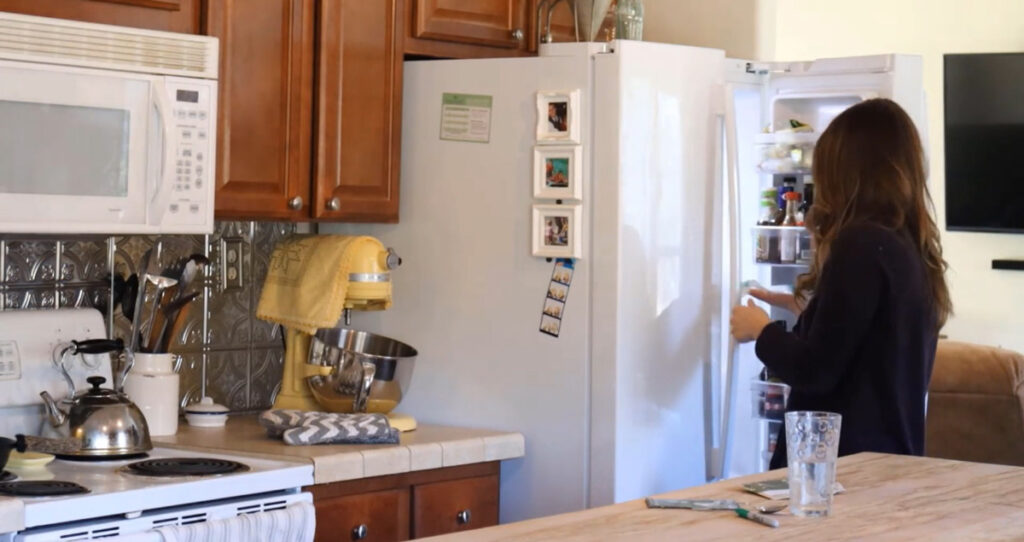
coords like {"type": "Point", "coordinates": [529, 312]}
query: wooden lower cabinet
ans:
{"type": "Point", "coordinates": [455, 505]}
{"type": "Point", "coordinates": [381, 515]}
{"type": "Point", "coordinates": [408, 505]}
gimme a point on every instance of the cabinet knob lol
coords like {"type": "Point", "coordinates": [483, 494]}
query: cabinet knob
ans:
{"type": "Point", "coordinates": [334, 204]}
{"type": "Point", "coordinates": [517, 34]}
{"type": "Point", "coordinates": [463, 517]}
{"type": "Point", "coordinates": [359, 533]}
{"type": "Point", "coordinates": [295, 203]}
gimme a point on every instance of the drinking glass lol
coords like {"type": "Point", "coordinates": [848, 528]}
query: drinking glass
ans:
{"type": "Point", "coordinates": [812, 444]}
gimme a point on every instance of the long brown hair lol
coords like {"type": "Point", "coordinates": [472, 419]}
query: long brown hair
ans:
{"type": "Point", "coordinates": [869, 167]}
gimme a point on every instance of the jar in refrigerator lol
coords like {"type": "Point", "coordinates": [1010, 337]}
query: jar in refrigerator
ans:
{"type": "Point", "coordinates": [789, 237]}
{"type": "Point", "coordinates": [788, 185]}
{"type": "Point", "coordinates": [767, 249]}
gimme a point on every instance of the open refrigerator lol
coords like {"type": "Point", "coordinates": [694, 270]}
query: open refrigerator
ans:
{"type": "Point", "coordinates": [762, 150]}
{"type": "Point", "coordinates": [642, 391]}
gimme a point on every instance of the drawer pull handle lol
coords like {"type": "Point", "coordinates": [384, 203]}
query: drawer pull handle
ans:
{"type": "Point", "coordinates": [359, 533]}
{"type": "Point", "coordinates": [295, 203]}
{"type": "Point", "coordinates": [463, 517]}
{"type": "Point", "coordinates": [333, 204]}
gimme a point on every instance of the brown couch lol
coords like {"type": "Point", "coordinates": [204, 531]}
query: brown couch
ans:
{"type": "Point", "coordinates": [976, 404]}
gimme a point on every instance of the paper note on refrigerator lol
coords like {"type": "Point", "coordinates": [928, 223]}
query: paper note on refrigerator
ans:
{"type": "Point", "coordinates": [466, 117]}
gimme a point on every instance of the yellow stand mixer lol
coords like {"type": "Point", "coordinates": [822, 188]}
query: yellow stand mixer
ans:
{"type": "Point", "coordinates": [368, 288]}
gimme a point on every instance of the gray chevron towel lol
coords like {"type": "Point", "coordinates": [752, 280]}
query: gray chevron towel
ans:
{"type": "Point", "coordinates": [299, 428]}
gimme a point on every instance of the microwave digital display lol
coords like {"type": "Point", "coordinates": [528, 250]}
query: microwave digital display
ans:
{"type": "Point", "coordinates": [191, 96]}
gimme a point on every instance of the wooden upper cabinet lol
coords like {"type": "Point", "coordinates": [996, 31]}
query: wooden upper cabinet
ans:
{"type": "Point", "coordinates": [495, 23]}
{"type": "Point", "coordinates": [265, 107]}
{"type": "Point", "coordinates": [358, 111]}
{"type": "Point", "coordinates": [168, 15]}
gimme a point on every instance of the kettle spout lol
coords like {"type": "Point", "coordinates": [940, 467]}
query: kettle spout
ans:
{"type": "Point", "coordinates": [56, 416]}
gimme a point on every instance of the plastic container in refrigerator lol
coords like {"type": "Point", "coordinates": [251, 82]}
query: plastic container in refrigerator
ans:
{"type": "Point", "coordinates": [785, 152]}
{"type": "Point", "coordinates": [769, 400]}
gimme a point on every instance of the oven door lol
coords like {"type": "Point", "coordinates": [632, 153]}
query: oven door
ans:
{"type": "Point", "coordinates": [81, 150]}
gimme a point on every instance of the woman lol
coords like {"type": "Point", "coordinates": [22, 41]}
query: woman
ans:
{"type": "Point", "coordinates": [875, 296]}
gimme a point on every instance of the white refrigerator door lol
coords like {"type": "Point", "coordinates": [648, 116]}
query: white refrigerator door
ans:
{"type": "Point", "coordinates": [469, 295]}
{"type": "Point", "coordinates": [656, 282]}
{"type": "Point", "coordinates": [769, 94]}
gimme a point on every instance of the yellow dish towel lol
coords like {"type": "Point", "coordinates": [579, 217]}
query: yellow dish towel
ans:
{"type": "Point", "coordinates": [307, 281]}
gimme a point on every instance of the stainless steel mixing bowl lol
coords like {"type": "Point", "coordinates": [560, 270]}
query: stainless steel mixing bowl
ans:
{"type": "Point", "coordinates": [369, 372]}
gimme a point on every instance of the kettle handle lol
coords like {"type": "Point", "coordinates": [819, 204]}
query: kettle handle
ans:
{"type": "Point", "coordinates": [97, 346]}
{"type": "Point", "coordinates": [359, 403]}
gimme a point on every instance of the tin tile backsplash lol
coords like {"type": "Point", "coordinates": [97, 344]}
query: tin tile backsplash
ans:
{"type": "Point", "coordinates": [227, 352]}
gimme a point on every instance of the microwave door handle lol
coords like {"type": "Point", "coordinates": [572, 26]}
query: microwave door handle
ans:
{"type": "Point", "coordinates": [162, 185]}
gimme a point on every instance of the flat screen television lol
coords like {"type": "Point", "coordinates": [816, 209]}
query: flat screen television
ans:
{"type": "Point", "coordinates": [984, 129]}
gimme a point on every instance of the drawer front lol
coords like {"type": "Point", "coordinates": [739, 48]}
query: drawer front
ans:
{"type": "Point", "coordinates": [456, 505]}
{"type": "Point", "coordinates": [382, 515]}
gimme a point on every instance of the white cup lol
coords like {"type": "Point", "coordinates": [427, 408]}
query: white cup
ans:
{"type": "Point", "coordinates": [152, 385]}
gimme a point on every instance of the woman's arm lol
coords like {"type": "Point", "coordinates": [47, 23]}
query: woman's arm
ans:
{"type": "Point", "coordinates": [847, 297]}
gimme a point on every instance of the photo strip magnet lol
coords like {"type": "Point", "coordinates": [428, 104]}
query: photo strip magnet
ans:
{"type": "Point", "coordinates": [554, 302]}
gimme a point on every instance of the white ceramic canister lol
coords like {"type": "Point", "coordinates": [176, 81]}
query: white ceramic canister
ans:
{"type": "Point", "coordinates": [152, 385]}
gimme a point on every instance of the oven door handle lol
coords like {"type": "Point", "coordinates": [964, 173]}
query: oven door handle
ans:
{"type": "Point", "coordinates": [163, 185]}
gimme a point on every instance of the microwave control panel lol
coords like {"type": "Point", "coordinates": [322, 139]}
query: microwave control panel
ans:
{"type": "Point", "coordinates": [194, 124]}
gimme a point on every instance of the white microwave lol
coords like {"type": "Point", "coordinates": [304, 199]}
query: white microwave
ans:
{"type": "Point", "coordinates": [105, 129]}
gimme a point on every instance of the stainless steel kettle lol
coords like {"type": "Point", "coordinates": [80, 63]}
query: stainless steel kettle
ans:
{"type": "Point", "coordinates": [105, 422]}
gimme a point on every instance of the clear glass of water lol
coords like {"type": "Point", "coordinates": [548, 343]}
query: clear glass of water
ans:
{"type": "Point", "coordinates": [812, 444]}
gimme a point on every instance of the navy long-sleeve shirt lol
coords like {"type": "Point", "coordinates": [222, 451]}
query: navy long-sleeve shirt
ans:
{"type": "Point", "coordinates": [863, 346]}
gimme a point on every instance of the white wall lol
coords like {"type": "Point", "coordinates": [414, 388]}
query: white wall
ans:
{"type": "Point", "coordinates": [989, 304]}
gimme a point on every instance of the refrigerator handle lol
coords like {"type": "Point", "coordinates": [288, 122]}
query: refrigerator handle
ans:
{"type": "Point", "coordinates": [733, 261]}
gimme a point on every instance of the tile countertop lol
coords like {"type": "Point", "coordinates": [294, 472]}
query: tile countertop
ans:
{"type": "Point", "coordinates": [12, 515]}
{"type": "Point", "coordinates": [428, 447]}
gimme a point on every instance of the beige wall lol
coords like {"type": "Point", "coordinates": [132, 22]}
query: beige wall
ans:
{"type": "Point", "coordinates": [731, 25]}
{"type": "Point", "coordinates": [989, 304]}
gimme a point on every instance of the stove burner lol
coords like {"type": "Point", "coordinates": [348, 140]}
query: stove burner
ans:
{"type": "Point", "coordinates": [7, 476]}
{"type": "Point", "coordinates": [40, 489]}
{"type": "Point", "coordinates": [185, 466]}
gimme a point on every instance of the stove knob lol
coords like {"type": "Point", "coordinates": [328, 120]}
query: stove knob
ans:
{"type": "Point", "coordinates": [359, 533]}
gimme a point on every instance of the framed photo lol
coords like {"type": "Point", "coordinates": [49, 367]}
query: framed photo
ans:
{"type": "Point", "coordinates": [558, 172]}
{"type": "Point", "coordinates": [558, 118]}
{"type": "Point", "coordinates": [557, 231]}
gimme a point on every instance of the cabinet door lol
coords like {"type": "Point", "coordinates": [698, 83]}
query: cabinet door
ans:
{"type": "Point", "coordinates": [359, 111]}
{"type": "Point", "coordinates": [169, 15]}
{"type": "Point", "coordinates": [265, 109]}
{"type": "Point", "coordinates": [496, 23]}
{"type": "Point", "coordinates": [383, 515]}
{"type": "Point", "coordinates": [455, 505]}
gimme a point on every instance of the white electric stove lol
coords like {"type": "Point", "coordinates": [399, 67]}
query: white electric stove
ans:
{"type": "Point", "coordinates": [119, 501]}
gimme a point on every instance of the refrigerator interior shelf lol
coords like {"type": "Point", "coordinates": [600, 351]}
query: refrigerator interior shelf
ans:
{"type": "Point", "coordinates": [782, 245]}
{"type": "Point", "coordinates": [785, 152]}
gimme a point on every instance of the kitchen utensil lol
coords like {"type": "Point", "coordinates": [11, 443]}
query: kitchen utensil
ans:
{"type": "Point", "coordinates": [357, 371]}
{"type": "Point", "coordinates": [105, 421]}
{"type": "Point", "coordinates": [131, 289]}
{"type": "Point", "coordinates": [177, 314]}
{"type": "Point", "coordinates": [162, 283]}
{"type": "Point", "coordinates": [7, 445]}
{"type": "Point", "coordinates": [153, 386]}
{"type": "Point", "coordinates": [147, 264]}
{"type": "Point", "coordinates": [191, 268]}
{"type": "Point", "coordinates": [206, 413]}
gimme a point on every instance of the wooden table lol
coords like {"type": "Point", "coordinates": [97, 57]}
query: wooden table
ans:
{"type": "Point", "coordinates": [888, 497]}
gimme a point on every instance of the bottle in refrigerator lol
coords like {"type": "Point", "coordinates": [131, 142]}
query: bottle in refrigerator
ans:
{"type": "Point", "coordinates": [788, 185]}
{"type": "Point", "coordinates": [789, 237]}
{"type": "Point", "coordinates": [767, 240]}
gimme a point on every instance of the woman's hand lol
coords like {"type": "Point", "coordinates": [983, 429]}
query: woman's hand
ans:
{"type": "Point", "coordinates": [747, 322]}
{"type": "Point", "coordinates": [777, 299]}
